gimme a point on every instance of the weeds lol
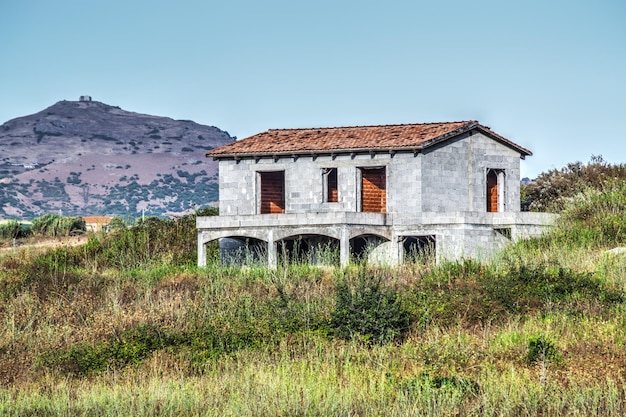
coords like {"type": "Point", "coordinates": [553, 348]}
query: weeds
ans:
{"type": "Point", "coordinates": [127, 325]}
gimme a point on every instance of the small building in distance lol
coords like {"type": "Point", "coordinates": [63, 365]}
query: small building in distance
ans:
{"type": "Point", "coordinates": [97, 223]}
{"type": "Point", "coordinates": [384, 193]}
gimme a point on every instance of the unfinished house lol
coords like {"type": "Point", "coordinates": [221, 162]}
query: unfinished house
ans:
{"type": "Point", "coordinates": [381, 193]}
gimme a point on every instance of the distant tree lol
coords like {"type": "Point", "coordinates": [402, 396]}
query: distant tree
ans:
{"type": "Point", "coordinates": [116, 223]}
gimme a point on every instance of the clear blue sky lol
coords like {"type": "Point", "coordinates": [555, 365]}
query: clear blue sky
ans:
{"type": "Point", "coordinates": [549, 75]}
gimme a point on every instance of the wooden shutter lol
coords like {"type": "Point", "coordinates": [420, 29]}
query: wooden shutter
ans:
{"type": "Point", "coordinates": [272, 192]}
{"type": "Point", "coordinates": [374, 190]}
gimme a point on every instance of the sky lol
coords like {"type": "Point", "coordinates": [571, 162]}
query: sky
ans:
{"type": "Point", "coordinates": [549, 75]}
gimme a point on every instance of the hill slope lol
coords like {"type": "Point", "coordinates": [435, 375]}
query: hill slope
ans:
{"type": "Point", "coordinates": [87, 157]}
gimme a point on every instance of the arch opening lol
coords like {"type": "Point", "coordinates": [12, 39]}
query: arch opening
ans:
{"type": "Point", "coordinates": [368, 249]}
{"type": "Point", "coordinates": [240, 250]}
{"type": "Point", "coordinates": [419, 249]}
{"type": "Point", "coordinates": [310, 249]}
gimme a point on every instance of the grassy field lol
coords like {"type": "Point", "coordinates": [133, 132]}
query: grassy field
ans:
{"type": "Point", "coordinates": [126, 325]}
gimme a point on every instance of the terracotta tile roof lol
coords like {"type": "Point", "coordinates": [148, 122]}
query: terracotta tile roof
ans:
{"type": "Point", "coordinates": [413, 137]}
{"type": "Point", "coordinates": [97, 219]}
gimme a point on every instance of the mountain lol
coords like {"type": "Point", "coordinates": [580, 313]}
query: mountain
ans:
{"type": "Point", "coordinates": [86, 157]}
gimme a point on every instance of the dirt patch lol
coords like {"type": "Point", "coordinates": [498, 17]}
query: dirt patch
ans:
{"type": "Point", "coordinates": [44, 243]}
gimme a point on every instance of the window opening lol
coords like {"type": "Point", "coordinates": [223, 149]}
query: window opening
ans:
{"type": "Point", "coordinates": [272, 192]}
{"type": "Point", "coordinates": [495, 190]}
{"type": "Point", "coordinates": [374, 190]}
{"type": "Point", "coordinates": [331, 192]}
{"type": "Point", "coordinates": [504, 231]}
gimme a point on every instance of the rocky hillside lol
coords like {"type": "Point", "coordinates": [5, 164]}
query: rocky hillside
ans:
{"type": "Point", "coordinates": [86, 157]}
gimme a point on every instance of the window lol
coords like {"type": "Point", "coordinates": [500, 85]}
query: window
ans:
{"type": "Point", "coordinates": [331, 193]}
{"type": "Point", "coordinates": [374, 190]}
{"type": "Point", "coordinates": [272, 192]}
{"type": "Point", "coordinates": [495, 190]}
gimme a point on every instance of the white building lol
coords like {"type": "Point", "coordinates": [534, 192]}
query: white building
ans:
{"type": "Point", "coordinates": [385, 190]}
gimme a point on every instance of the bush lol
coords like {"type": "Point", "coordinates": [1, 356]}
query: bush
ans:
{"type": "Point", "coordinates": [551, 190]}
{"type": "Point", "coordinates": [131, 347]}
{"type": "Point", "coordinates": [542, 350]}
{"type": "Point", "coordinates": [151, 240]}
{"type": "Point", "coordinates": [368, 309]}
{"type": "Point", "coordinates": [597, 217]}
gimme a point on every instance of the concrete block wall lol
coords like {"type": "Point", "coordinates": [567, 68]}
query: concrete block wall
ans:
{"type": "Point", "coordinates": [304, 182]}
{"type": "Point", "coordinates": [446, 177]}
{"type": "Point", "coordinates": [486, 154]}
{"type": "Point", "coordinates": [236, 188]}
{"type": "Point", "coordinates": [454, 176]}
{"type": "Point", "coordinates": [404, 191]}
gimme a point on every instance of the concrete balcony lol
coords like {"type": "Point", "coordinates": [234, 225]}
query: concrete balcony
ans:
{"type": "Point", "coordinates": [374, 219]}
{"type": "Point", "coordinates": [294, 219]}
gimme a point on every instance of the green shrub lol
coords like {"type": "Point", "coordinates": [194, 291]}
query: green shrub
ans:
{"type": "Point", "coordinates": [116, 223]}
{"type": "Point", "coordinates": [597, 217]}
{"type": "Point", "coordinates": [150, 241]}
{"type": "Point", "coordinates": [131, 347]}
{"type": "Point", "coordinates": [366, 308]}
{"type": "Point", "coordinates": [542, 350]}
{"type": "Point", "coordinates": [551, 190]}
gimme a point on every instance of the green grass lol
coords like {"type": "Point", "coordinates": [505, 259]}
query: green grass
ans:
{"type": "Point", "coordinates": [127, 325]}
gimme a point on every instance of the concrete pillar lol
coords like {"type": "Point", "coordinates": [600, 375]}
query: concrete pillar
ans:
{"type": "Point", "coordinates": [399, 250]}
{"type": "Point", "coordinates": [272, 258]}
{"type": "Point", "coordinates": [344, 247]}
{"type": "Point", "coordinates": [201, 251]}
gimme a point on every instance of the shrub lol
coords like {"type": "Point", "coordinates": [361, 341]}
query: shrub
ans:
{"type": "Point", "coordinates": [131, 347]}
{"type": "Point", "coordinates": [597, 217]}
{"type": "Point", "coordinates": [523, 288]}
{"type": "Point", "coordinates": [134, 345]}
{"type": "Point", "coordinates": [550, 190]}
{"type": "Point", "coordinates": [542, 350]}
{"type": "Point", "coordinates": [365, 307]}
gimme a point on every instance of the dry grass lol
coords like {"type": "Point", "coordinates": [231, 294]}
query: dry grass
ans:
{"type": "Point", "coordinates": [464, 354]}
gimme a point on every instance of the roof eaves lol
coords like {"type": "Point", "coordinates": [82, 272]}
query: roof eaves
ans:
{"type": "Point", "coordinates": [243, 155]}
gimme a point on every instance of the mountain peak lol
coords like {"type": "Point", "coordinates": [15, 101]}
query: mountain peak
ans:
{"type": "Point", "coordinates": [79, 157]}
